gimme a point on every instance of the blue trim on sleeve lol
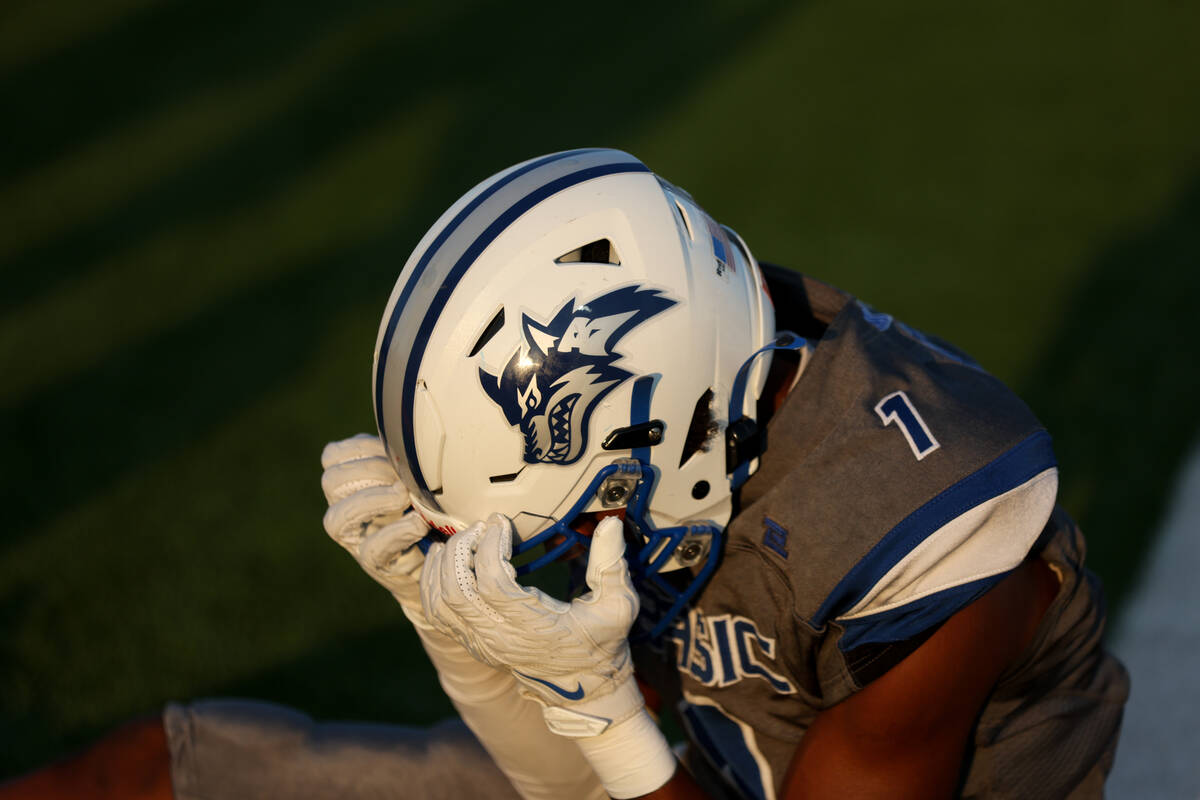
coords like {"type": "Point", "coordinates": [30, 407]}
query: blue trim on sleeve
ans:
{"type": "Point", "coordinates": [905, 622]}
{"type": "Point", "coordinates": [1030, 457]}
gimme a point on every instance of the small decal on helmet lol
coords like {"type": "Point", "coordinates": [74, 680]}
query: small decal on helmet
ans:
{"type": "Point", "coordinates": [721, 247]}
{"type": "Point", "coordinates": [565, 367]}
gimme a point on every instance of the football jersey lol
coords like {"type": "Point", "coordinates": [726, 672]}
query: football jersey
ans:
{"type": "Point", "coordinates": [900, 482]}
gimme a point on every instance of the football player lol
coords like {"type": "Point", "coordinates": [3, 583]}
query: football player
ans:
{"type": "Point", "coordinates": [826, 540]}
{"type": "Point", "coordinates": [823, 541]}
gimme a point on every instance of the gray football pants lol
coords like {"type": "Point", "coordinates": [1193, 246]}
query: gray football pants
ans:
{"type": "Point", "coordinates": [246, 749]}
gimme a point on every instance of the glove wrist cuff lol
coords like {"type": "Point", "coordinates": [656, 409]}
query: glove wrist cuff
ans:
{"type": "Point", "coordinates": [631, 758]}
{"type": "Point", "coordinates": [592, 717]}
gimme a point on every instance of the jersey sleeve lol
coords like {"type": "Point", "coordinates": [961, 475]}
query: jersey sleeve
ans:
{"type": "Point", "coordinates": [964, 480]}
{"type": "Point", "coordinates": [907, 482]}
{"type": "Point", "coordinates": [947, 552]}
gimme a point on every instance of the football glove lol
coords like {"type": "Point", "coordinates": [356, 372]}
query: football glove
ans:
{"type": "Point", "coordinates": [369, 515]}
{"type": "Point", "coordinates": [573, 658]}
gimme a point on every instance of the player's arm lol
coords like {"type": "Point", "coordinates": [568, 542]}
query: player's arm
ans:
{"type": "Point", "coordinates": [906, 734]}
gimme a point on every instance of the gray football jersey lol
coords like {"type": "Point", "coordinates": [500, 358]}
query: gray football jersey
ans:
{"type": "Point", "coordinates": [900, 482]}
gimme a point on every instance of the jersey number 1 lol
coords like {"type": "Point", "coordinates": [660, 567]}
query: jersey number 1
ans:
{"type": "Point", "coordinates": [897, 408]}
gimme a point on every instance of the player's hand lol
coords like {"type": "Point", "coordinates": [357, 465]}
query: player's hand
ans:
{"type": "Point", "coordinates": [370, 515]}
{"type": "Point", "coordinates": [573, 657]}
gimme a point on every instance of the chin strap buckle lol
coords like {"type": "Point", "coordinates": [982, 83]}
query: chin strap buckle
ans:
{"type": "Point", "coordinates": [743, 443]}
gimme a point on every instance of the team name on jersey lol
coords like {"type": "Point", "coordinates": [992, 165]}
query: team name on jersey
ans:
{"type": "Point", "coordinates": [724, 649]}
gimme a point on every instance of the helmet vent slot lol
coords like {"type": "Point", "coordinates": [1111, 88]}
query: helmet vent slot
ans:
{"type": "Point", "coordinates": [600, 251]}
{"type": "Point", "coordinates": [491, 330]}
{"type": "Point", "coordinates": [702, 430]}
{"type": "Point", "coordinates": [683, 217]}
{"type": "Point", "coordinates": [509, 478]}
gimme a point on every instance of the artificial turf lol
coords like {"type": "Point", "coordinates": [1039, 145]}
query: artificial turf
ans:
{"type": "Point", "coordinates": [205, 206]}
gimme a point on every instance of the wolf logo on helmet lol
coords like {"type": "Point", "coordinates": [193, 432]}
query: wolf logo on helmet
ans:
{"type": "Point", "coordinates": [565, 367]}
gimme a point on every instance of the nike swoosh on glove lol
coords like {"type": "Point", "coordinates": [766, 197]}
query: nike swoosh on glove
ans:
{"type": "Point", "coordinates": [370, 515]}
{"type": "Point", "coordinates": [573, 658]}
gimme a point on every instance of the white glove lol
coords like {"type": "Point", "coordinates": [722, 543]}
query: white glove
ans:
{"type": "Point", "coordinates": [573, 658]}
{"type": "Point", "coordinates": [369, 515]}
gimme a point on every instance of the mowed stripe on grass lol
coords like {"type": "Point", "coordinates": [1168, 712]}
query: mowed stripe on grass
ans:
{"type": "Point", "coordinates": [196, 276]}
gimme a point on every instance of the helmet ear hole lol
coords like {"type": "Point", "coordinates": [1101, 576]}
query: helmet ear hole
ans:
{"type": "Point", "coordinates": [700, 490]}
{"type": "Point", "coordinates": [701, 430]}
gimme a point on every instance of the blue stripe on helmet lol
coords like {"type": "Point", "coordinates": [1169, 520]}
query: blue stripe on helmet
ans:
{"type": "Point", "coordinates": [386, 345]}
{"type": "Point", "coordinates": [456, 273]}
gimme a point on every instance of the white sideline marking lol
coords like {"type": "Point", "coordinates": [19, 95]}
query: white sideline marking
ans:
{"type": "Point", "coordinates": [1158, 639]}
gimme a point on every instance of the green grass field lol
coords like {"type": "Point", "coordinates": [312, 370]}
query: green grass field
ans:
{"type": "Point", "coordinates": [205, 206]}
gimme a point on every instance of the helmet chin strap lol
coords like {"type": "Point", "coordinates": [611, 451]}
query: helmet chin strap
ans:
{"type": "Point", "coordinates": [743, 437]}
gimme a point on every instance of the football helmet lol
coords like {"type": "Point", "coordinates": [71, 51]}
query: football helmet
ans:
{"type": "Point", "coordinates": [576, 335]}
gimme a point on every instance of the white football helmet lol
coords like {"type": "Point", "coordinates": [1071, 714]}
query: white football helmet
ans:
{"type": "Point", "coordinates": [576, 335]}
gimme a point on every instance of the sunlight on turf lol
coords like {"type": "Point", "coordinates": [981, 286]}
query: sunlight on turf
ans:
{"type": "Point", "coordinates": [227, 532]}
{"type": "Point", "coordinates": [968, 168]}
{"type": "Point", "coordinates": [31, 29]}
{"type": "Point", "coordinates": [962, 196]}
{"type": "Point", "coordinates": [98, 176]}
{"type": "Point", "coordinates": [175, 274]}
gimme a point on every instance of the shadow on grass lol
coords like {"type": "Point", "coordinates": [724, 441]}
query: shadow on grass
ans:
{"type": "Point", "coordinates": [1119, 388]}
{"type": "Point", "coordinates": [516, 95]}
{"type": "Point", "coordinates": [247, 169]}
{"type": "Point", "coordinates": [154, 56]}
{"type": "Point", "coordinates": [82, 436]}
{"type": "Point", "coordinates": [514, 105]}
